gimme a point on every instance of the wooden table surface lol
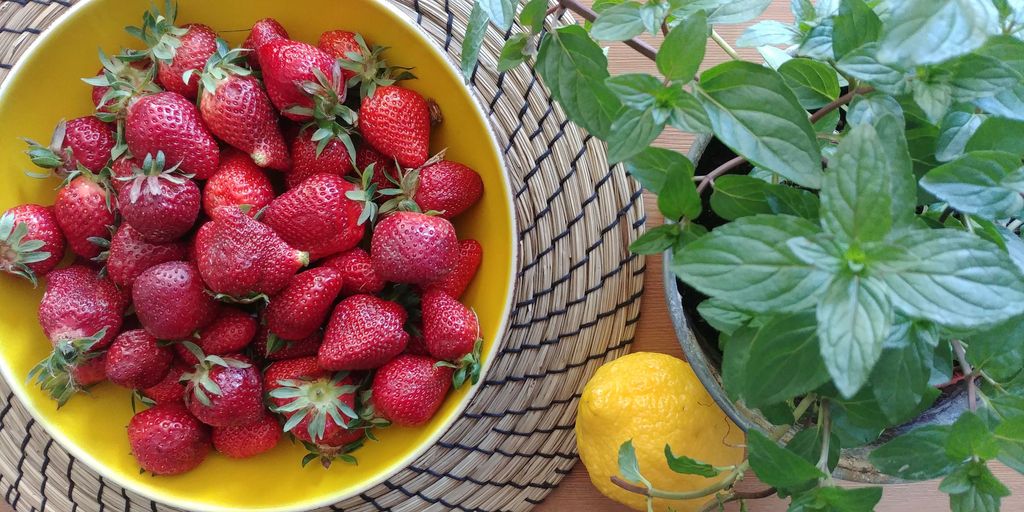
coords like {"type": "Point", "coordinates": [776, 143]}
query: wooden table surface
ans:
{"type": "Point", "coordinates": [655, 334]}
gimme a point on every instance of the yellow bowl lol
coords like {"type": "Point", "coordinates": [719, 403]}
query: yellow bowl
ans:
{"type": "Point", "coordinates": [45, 87]}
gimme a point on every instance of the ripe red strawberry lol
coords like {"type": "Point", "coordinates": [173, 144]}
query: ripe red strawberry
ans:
{"type": "Point", "coordinates": [92, 371]}
{"type": "Point", "coordinates": [130, 255]}
{"type": "Point", "coordinates": [83, 210]}
{"type": "Point", "coordinates": [246, 441]}
{"type": "Point", "coordinates": [170, 300]}
{"type": "Point", "coordinates": [161, 204]}
{"type": "Point", "coordinates": [263, 31]}
{"type": "Point", "coordinates": [454, 283]}
{"type": "Point", "coordinates": [168, 440]}
{"type": "Point", "coordinates": [270, 346]}
{"type": "Point", "coordinates": [357, 272]}
{"type": "Point", "coordinates": [410, 247]}
{"type": "Point", "coordinates": [396, 122]}
{"type": "Point", "coordinates": [417, 346]}
{"type": "Point", "coordinates": [409, 389]}
{"type": "Point", "coordinates": [224, 391]}
{"type": "Point", "coordinates": [169, 122]}
{"type": "Point", "coordinates": [84, 141]}
{"type": "Point", "coordinates": [137, 360]}
{"type": "Point", "coordinates": [364, 332]}
{"type": "Point", "coordinates": [317, 217]}
{"type": "Point", "coordinates": [383, 167]}
{"type": "Point", "coordinates": [231, 331]}
{"type": "Point", "coordinates": [321, 412]}
{"type": "Point", "coordinates": [238, 111]}
{"type": "Point", "coordinates": [81, 314]}
{"type": "Point", "coordinates": [451, 332]}
{"type": "Point", "coordinates": [122, 171]}
{"type": "Point", "coordinates": [170, 389]}
{"type": "Point", "coordinates": [338, 44]}
{"type": "Point", "coordinates": [287, 65]}
{"type": "Point", "coordinates": [299, 310]}
{"type": "Point", "coordinates": [333, 159]}
{"type": "Point", "coordinates": [175, 50]}
{"type": "Point", "coordinates": [300, 368]}
{"type": "Point", "coordinates": [121, 79]}
{"type": "Point", "coordinates": [31, 242]}
{"type": "Point", "coordinates": [238, 181]}
{"type": "Point", "coordinates": [242, 258]}
{"type": "Point", "coordinates": [447, 187]}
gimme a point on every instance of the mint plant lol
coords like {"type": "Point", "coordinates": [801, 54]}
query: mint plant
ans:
{"type": "Point", "coordinates": [871, 250]}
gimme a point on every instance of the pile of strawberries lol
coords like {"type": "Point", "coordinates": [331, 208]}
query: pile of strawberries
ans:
{"type": "Point", "coordinates": [278, 260]}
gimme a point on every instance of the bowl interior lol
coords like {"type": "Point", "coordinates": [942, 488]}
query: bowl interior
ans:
{"type": "Point", "coordinates": [46, 87]}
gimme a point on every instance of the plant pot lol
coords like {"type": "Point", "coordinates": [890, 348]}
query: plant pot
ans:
{"type": "Point", "coordinates": [699, 342]}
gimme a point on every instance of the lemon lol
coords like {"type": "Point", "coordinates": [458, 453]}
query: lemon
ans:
{"type": "Point", "coordinates": [653, 399]}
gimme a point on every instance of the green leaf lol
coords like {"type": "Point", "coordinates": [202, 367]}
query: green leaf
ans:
{"type": "Point", "coordinates": [837, 499]}
{"type": "Point", "coordinates": [678, 197]}
{"type": "Point", "coordinates": [921, 32]}
{"type": "Point", "coordinates": [934, 98]}
{"type": "Point", "coordinates": [651, 167]}
{"type": "Point", "coordinates": [683, 49]}
{"type": "Point", "coordinates": [998, 134]}
{"type": "Point", "coordinates": [533, 14]}
{"type": "Point", "coordinates": [901, 377]}
{"type": "Point", "coordinates": [849, 433]}
{"type": "Point", "coordinates": [777, 466]}
{"type": "Point", "coordinates": [1010, 437]}
{"type": "Point", "coordinates": [501, 12]}
{"type": "Point", "coordinates": [735, 11]}
{"type": "Point", "coordinates": [917, 455]}
{"type": "Point", "coordinates": [814, 83]}
{"type": "Point", "coordinates": [855, 25]}
{"type": "Point", "coordinates": [656, 239]}
{"type": "Point", "coordinates": [724, 317]}
{"type": "Point", "coordinates": [631, 132]}
{"type": "Point", "coordinates": [817, 43]}
{"type": "Point", "coordinates": [512, 53]}
{"type": "Point", "coordinates": [475, 31]}
{"type": "Point", "coordinates": [754, 113]}
{"type": "Point", "coordinates": [739, 196]}
{"type": "Point", "coordinates": [870, 108]}
{"type": "Point", "coordinates": [628, 467]}
{"type": "Point", "coordinates": [863, 64]}
{"type": "Point", "coordinates": [768, 32]}
{"type": "Point", "coordinates": [1007, 50]}
{"type": "Point", "coordinates": [688, 115]}
{"type": "Point", "coordinates": [973, 184]}
{"type": "Point", "coordinates": [942, 365]}
{"type": "Point", "coordinates": [635, 90]}
{"type": "Point", "coordinates": [652, 14]}
{"type": "Point", "coordinates": [983, 494]}
{"type": "Point", "coordinates": [1008, 103]}
{"type": "Point", "coordinates": [969, 437]}
{"type": "Point", "coordinates": [618, 23]}
{"type": "Point", "coordinates": [575, 68]}
{"type": "Point", "coordinates": [956, 130]}
{"type": "Point", "coordinates": [807, 444]}
{"type": "Point", "coordinates": [854, 317]}
{"type": "Point", "coordinates": [999, 351]}
{"type": "Point", "coordinates": [953, 278]}
{"type": "Point", "coordinates": [687, 466]}
{"type": "Point", "coordinates": [977, 76]}
{"type": "Point", "coordinates": [748, 262]}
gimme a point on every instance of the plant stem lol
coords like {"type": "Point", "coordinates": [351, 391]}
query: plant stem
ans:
{"type": "Point", "coordinates": [720, 170]}
{"type": "Point", "coordinates": [801, 408]}
{"type": "Point", "coordinates": [961, 356]}
{"type": "Point", "coordinates": [724, 45]}
{"type": "Point", "coordinates": [689, 495]}
{"type": "Point", "coordinates": [588, 14]}
{"type": "Point", "coordinates": [826, 438]}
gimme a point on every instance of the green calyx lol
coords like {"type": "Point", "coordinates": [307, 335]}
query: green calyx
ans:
{"type": "Point", "coordinates": [54, 373]}
{"type": "Point", "coordinates": [370, 69]}
{"type": "Point", "coordinates": [250, 298]}
{"type": "Point", "coordinates": [16, 251]}
{"type": "Point", "coordinates": [406, 182]}
{"type": "Point", "coordinates": [51, 156]}
{"type": "Point", "coordinates": [224, 63]}
{"type": "Point", "coordinates": [158, 32]}
{"type": "Point", "coordinates": [328, 454]}
{"type": "Point", "coordinates": [151, 175]}
{"type": "Point", "coordinates": [331, 118]}
{"type": "Point", "coordinates": [124, 82]}
{"type": "Point", "coordinates": [202, 384]}
{"type": "Point", "coordinates": [467, 367]}
{"type": "Point", "coordinates": [319, 399]}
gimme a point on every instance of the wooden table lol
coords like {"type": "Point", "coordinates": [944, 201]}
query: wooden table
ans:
{"type": "Point", "coordinates": [655, 334]}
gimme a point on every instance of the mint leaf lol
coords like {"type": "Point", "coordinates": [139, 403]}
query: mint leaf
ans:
{"type": "Point", "coordinates": [475, 30]}
{"type": "Point", "coordinates": [977, 76]}
{"type": "Point", "coordinates": [807, 444]}
{"type": "Point", "coordinates": [998, 134]}
{"type": "Point", "coordinates": [854, 316]}
{"type": "Point", "coordinates": [869, 108]}
{"type": "Point", "coordinates": [501, 12]}
{"type": "Point", "coordinates": [934, 98]}
{"type": "Point", "coordinates": [953, 278]}
{"type": "Point", "coordinates": [656, 239]}
{"type": "Point", "coordinates": [1010, 436]}
{"type": "Point", "coordinates": [724, 317]}
{"type": "Point", "coordinates": [973, 488]}
{"type": "Point", "coordinates": [532, 15]}
{"type": "Point", "coordinates": [999, 351]}
{"type": "Point", "coordinates": [851, 434]}
{"type": "Point", "coordinates": [917, 455]}
{"type": "Point", "coordinates": [973, 184]}
{"type": "Point", "coordinates": [821, 251]}
{"type": "Point", "coordinates": [651, 166]}
{"type": "Point", "coordinates": [1007, 50]}
{"type": "Point", "coordinates": [748, 262]}
{"type": "Point", "coordinates": [768, 32]}
{"type": "Point", "coordinates": [575, 68]}
{"type": "Point", "coordinates": [512, 54]}
{"type": "Point", "coordinates": [687, 466]}
{"type": "Point", "coordinates": [678, 197]}
{"type": "Point", "coordinates": [754, 113]}
{"type": "Point", "coordinates": [863, 64]}
{"type": "Point", "coordinates": [736, 11]}
{"type": "Point", "coordinates": [777, 466]}
{"type": "Point", "coordinates": [817, 43]}
{"type": "Point", "coordinates": [683, 49]}
{"type": "Point", "coordinates": [901, 376]}
{"type": "Point", "coordinates": [814, 83]}
{"type": "Point", "coordinates": [631, 132]}
{"type": "Point", "coordinates": [628, 466]}
{"type": "Point", "coordinates": [855, 25]}
{"type": "Point", "coordinates": [688, 114]}
{"type": "Point", "coordinates": [956, 130]}
{"type": "Point", "coordinates": [739, 196]}
{"type": "Point", "coordinates": [1008, 103]}
{"type": "Point", "coordinates": [635, 90]}
{"type": "Point", "coordinates": [837, 499]}
{"type": "Point", "coordinates": [921, 32]}
{"type": "Point", "coordinates": [969, 437]}
{"type": "Point", "coordinates": [618, 23]}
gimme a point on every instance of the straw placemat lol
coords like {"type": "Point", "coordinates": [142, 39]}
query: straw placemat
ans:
{"type": "Point", "coordinates": [577, 299]}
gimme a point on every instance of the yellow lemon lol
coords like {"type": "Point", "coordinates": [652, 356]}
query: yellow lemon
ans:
{"type": "Point", "coordinates": [653, 399]}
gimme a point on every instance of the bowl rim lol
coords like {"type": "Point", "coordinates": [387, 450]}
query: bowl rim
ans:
{"type": "Point", "coordinates": [487, 358]}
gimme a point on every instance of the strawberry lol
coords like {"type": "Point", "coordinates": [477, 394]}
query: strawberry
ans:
{"type": "Point", "coordinates": [362, 64]}
{"type": "Point", "coordinates": [92, 371]}
{"type": "Point", "coordinates": [242, 258]}
{"type": "Point", "coordinates": [451, 332]}
{"type": "Point", "coordinates": [321, 412]}
{"type": "Point", "coordinates": [175, 50]}
{"type": "Point", "coordinates": [169, 122]}
{"type": "Point", "coordinates": [383, 167]}
{"type": "Point", "coordinates": [83, 141]}
{"type": "Point", "coordinates": [317, 217]}
{"type": "Point", "coordinates": [409, 389]}
{"type": "Point", "coordinates": [170, 389]}
{"type": "Point", "coordinates": [84, 213]}
{"type": "Point", "coordinates": [299, 368]}
{"type": "Point", "coordinates": [238, 111]}
{"type": "Point", "coordinates": [242, 442]}
{"type": "Point", "coordinates": [130, 255]}
{"type": "Point", "coordinates": [81, 314]}
{"type": "Point", "coordinates": [263, 31]}
{"type": "Point", "coordinates": [122, 171]}
{"type": "Point", "coordinates": [339, 44]}
{"type": "Point", "coordinates": [357, 272]}
{"type": "Point", "coordinates": [307, 161]}
{"type": "Point", "coordinates": [238, 181]}
{"type": "Point", "coordinates": [410, 247]}
{"type": "Point", "coordinates": [269, 346]}
{"type": "Point", "coordinates": [137, 360]}
{"type": "Point", "coordinates": [224, 391]}
{"type": "Point", "coordinates": [231, 331]}
{"type": "Point", "coordinates": [299, 310]}
{"type": "Point", "coordinates": [417, 346]}
{"type": "Point", "coordinates": [454, 283]}
{"type": "Point", "coordinates": [31, 242]}
{"type": "Point", "coordinates": [170, 300]}
{"type": "Point", "coordinates": [447, 187]}
{"type": "Point", "coordinates": [121, 80]}
{"type": "Point", "coordinates": [287, 65]}
{"type": "Point", "coordinates": [168, 440]}
{"type": "Point", "coordinates": [364, 332]}
{"type": "Point", "coordinates": [161, 204]}
{"type": "Point", "coordinates": [396, 122]}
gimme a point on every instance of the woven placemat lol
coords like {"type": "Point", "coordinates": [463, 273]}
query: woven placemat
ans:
{"type": "Point", "coordinates": [576, 303]}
